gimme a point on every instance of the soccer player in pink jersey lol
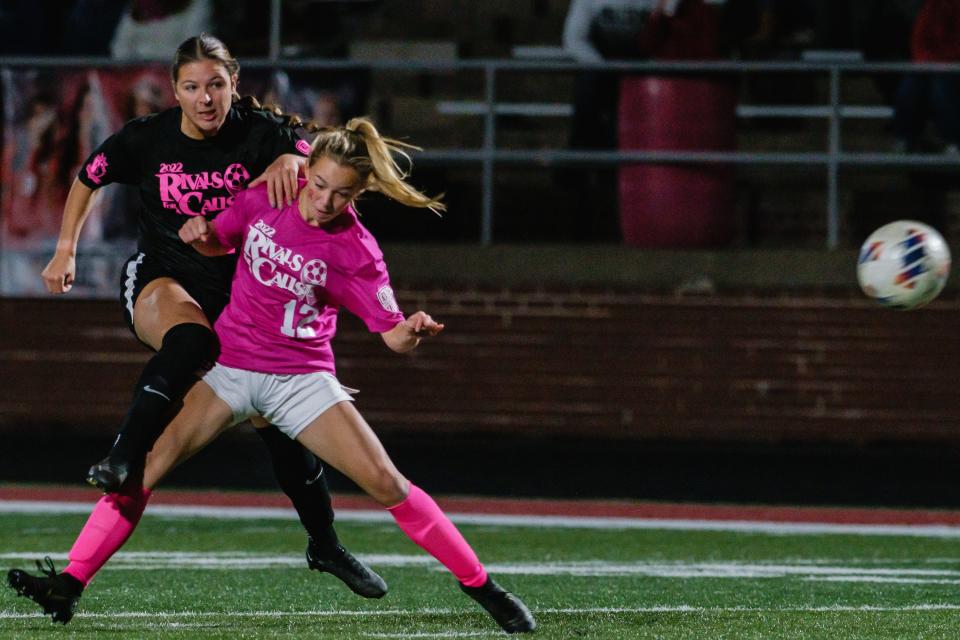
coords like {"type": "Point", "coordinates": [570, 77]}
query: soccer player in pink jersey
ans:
{"type": "Point", "coordinates": [298, 265]}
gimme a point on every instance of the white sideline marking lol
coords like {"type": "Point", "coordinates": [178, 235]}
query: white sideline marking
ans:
{"type": "Point", "coordinates": [430, 634]}
{"type": "Point", "coordinates": [572, 522]}
{"type": "Point", "coordinates": [166, 615]}
{"type": "Point", "coordinates": [808, 570]}
{"type": "Point", "coordinates": [739, 570]}
{"type": "Point", "coordinates": [10, 615]}
{"type": "Point", "coordinates": [882, 579]}
{"type": "Point", "coordinates": [160, 560]}
{"type": "Point", "coordinates": [691, 609]}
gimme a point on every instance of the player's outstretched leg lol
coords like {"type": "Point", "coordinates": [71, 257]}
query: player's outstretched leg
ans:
{"type": "Point", "coordinates": [301, 476]}
{"type": "Point", "coordinates": [56, 593]}
{"type": "Point", "coordinates": [425, 523]}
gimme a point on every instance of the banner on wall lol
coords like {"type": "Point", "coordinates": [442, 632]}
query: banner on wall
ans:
{"type": "Point", "coordinates": [52, 121]}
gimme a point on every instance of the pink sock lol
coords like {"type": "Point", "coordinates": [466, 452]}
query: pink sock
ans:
{"type": "Point", "coordinates": [112, 521]}
{"type": "Point", "coordinates": [422, 520]}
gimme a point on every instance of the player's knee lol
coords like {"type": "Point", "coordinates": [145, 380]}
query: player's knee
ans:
{"type": "Point", "coordinates": [194, 345]}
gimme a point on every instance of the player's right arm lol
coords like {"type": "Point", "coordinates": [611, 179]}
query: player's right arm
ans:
{"type": "Point", "coordinates": [113, 161]}
{"type": "Point", "coordinates": [60, 272]}
{"type": "Point", "coordinates": [200, 234]}
{"type": "Point", "coordinates": [223, 235]}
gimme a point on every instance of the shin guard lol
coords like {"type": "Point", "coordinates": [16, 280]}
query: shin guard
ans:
{"type": "Point", "coordinates": [112, 521]}
{"type": "Point", "coordinates": [422, 520]}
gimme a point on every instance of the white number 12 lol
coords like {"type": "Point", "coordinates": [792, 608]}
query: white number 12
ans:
{"type": "Point", "coordinates": [301, 330]}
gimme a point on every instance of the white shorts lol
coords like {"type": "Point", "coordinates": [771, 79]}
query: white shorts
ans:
{"type": "Point", "coordinates": [290, 401]}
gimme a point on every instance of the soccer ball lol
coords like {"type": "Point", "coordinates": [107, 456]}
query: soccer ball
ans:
{"type": "Point", "coordinates": [904, 264]}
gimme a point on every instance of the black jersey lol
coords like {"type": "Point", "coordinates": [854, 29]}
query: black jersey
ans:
{"type": "Point", "coordinates": [179, 177]}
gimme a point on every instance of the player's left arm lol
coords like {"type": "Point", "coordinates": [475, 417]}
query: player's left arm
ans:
{"type": "Point", "coordinates": [406, 335]}
{"type": "Point", "coordinates": [367, 293]}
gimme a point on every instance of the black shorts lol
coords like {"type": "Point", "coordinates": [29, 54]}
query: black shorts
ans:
{"type": "Point", "coordinates": [140, 270]}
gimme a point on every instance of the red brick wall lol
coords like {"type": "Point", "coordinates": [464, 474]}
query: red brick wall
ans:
{"type": "Point", "coordinates": [635, 366]}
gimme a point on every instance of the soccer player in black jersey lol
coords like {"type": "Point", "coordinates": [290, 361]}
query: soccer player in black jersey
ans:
{"type": "Point", "coordinates": [189, 160]}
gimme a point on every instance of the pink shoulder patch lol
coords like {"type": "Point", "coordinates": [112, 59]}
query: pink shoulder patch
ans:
{"type": "Point", "coordinates": [97, 168]}
{"type": "Point", "coordinates": [303, 147]}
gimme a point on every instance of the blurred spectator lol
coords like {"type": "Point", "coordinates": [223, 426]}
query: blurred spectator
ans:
{"type": "Point", "coordinates": [151, 29]}
{"type": "Point", "coordinates": [594, 31]}
{"type": "Point", "coordinates": [934, 39]}
{"type": "Point", "coordinates": [598, 30]}
{"type": "Point", "coordinates": [88, 123]}
{"type": "Point", "coordinates": [33, 200]}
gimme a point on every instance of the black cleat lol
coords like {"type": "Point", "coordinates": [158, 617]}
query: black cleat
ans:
{"type": "Point", "coordinates": [356, 575]}
{"type": "Point", "coordinates": [58, 594]}
{"type": "Point", "coordinates": [507, 609]}
{"type": "Point", "coordinates": [109, 474]}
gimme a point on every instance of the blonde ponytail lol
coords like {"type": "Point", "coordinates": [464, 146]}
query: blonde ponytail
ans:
{"type": "Point", "coordinates": [359, 145]}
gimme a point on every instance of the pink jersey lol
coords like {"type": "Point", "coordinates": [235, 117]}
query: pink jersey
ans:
{"type": "Point", "coordinates": [291, 280]}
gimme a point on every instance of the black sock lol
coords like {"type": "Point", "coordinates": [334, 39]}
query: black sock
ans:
{"type": "Point", "coordinates": [186, 350]}
{"type": "Point", "coordinates": [302, 478]}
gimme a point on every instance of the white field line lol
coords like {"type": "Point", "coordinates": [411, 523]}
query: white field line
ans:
{"type": "Point", "coordinates": [165, 615]}
{"type": "Point", "coordinates": [160, 560]}
{"type": "Point", "coordinates": [804, 570]}
{"type": "Point", "coordinates": [400, 560]}
{"type": "Point", "coordinates": [438, 634]}
{"type": "Point", "coordinates": [188, 615]}
{"type": "Point", "coordinates": [882, 579]}
{"type": "Point", "coordinates": [709, 570]}
{"type": "Point", "coordinates": [573, 522]}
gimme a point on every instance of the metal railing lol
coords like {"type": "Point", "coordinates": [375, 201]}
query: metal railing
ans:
{"type": "Point", "coordinates": [833, 158]}
{"type": "Point", "coordinates": [489, 155]}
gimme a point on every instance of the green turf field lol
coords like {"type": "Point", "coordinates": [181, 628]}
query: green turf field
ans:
{"type": "Point", "coordinates": [203, 578]}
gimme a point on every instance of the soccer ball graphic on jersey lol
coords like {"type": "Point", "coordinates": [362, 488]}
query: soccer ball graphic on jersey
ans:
{"type": "Point", "coordinates": [314, 272]}
{"type": "Point", "coordinates": [235, 177]}
{"type": "Point", "coordinates": [904, 264]}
